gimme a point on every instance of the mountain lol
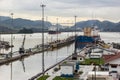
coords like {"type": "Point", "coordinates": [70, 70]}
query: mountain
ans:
{"type": "Point", "coordinates": [102, 25]}
{"type": "Point", "coordinates": [2, 18]}
{"type": "Point", "coordinates": [117, 27]}
{"type": "Point", "coordinates": [36, 25]}
{"type": "Point", "coordinates": [25, 23]}
{"type": "Point", "coordinates": [19, 24]}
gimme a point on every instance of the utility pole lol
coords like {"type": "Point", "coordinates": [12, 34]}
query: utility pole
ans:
{"type": "Point", "coordinates": [43, 64]}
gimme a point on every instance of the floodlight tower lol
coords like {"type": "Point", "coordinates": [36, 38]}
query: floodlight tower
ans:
{"type": "Point", "coordinates": [43, 64]}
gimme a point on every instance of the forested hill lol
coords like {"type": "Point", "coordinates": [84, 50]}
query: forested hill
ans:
{"type": "Point", "coordinates": [20, 24]}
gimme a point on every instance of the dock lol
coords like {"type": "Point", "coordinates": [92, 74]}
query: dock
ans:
{"type": "Point", "coordinates": [61, 43]}
{"type": "Point", "coordinates": [35, 50]}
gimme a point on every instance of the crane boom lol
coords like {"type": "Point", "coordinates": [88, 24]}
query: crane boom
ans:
{"type": "Point", "coordinates": [21, 49]}
{"type": "Point", "coordinates": [23, 41]}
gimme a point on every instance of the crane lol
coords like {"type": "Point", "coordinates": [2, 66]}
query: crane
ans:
{"type": "Point", "coordinates": [21, 49]}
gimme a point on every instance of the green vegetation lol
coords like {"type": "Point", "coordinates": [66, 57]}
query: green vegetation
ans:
{"type": "Point", "coordinates": [94, 61]}
{"type": "Point", "coordinates": [80, 72]}
{"type": "Point", "coordinates": [43, 77]}
{"type": "Point", "coordinates": [65, 62]}
{"type": "Point", "coordinates": [62, 78]}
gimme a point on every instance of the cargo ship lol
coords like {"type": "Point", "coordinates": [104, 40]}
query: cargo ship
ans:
{"type": "Point", "coordinates": [92, 32]}
{"type": "Point", "coordinates": [89, 38]}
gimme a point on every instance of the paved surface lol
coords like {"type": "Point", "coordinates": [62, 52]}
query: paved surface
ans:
{"type": "Point", "coordinates": [85, 70]}
{"type": "Point", "coordinates": [53, 75]}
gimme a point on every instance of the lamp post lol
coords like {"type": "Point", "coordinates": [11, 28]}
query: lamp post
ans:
{"type": "Point", "coordinates": [43, 65]}
{"type": "Point", "coordinates": [95, 71]}
{"type": "Point", "coordinates": [75, 24]}
{"type": "Point", "coordinates": [57, 38]}
{"type": "Point", "coordinates": [75, 52]}
{"type": "Point", "coordinates": [57, 28]}
{"type": "Point", "coordinates": [11, 34]}
{"type": "Point", "coordinates": [1, 31]}
{"type": "Point", "coordinates": [11, 43]}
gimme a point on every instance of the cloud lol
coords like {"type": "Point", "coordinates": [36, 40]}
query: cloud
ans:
{"type": "Point", "coordinates": [57, 4]}
{"type": "Point", "coordinates": [107, 9]}
{"type": "Point", "coordinates": [92, 3]}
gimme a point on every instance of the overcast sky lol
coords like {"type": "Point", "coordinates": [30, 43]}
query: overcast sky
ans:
{"type": "Point", "coordinates": [64, 10]}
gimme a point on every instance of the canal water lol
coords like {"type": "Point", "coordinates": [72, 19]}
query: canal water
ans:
{"type": "Point", "coordinates": [33, 64]}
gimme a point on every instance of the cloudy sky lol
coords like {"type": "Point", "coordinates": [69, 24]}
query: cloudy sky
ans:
{"type": "Point", "coordinates": [64, 10]}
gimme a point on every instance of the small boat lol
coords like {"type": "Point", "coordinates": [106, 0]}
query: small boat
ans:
{"type": "Point", "coordinates": [53, 30]}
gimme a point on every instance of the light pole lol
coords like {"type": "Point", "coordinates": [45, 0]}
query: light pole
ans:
{"type": "Point", "coordinates": [75, 24]}
{"type": "Point", "coordinates": [11, 34]}
{"type": "Point", "coordinates": [95, 71]}
{"type": "Point", "coordinates": [75, 52]}
{"type": "Point", "coordinates": [57, 28]}
{"type": "Point", "coordinates": [1, 30]}
{"type": "Point", "coordinates": [43, 65]}
{"type": "Point", "coordinates": [57, 38]}
{"type": "Point", "coordinates": [11, 43]}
